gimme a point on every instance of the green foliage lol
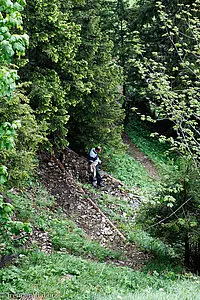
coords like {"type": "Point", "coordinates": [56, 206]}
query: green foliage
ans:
{"type": "Point", "coordinates": [7, 81]}
{"type": "Point", "coordinates": [172, 213]}
{"type": "Point", "coordinates": [49, 105]}
{"type": "Point", "coordinates": [9, 228]}
{"type": "Point", "coordinates": [152, 245]}
{"type": "Point", "coordinates": [8, 76]}
{"type": "Point", "coordinates": [19, 133]}
{"type": "Point", "coordinates": [98, 117]}
{"type": "Point", "coordinates": [70, 277]}
{"type": "Point", "coordinates": [19, 157]}
{"type": "Point", "coordinates": [169, 70]}
{"type": "Point", "coordinates": [114, 21]}
{"type": "Point", "coordinates": [13, 118]}
{"type": "Point", "coordinates": [57, 79]}
{"type": "Point", "coordinates": [7, 132]}
{"type": "Point", "coordinates": [67, 237]}
{"type": "Point", "coordinates": [74, 79]}
{"type": "Point", "coordinates": [164, 79]}
{"type": "Point", "coordinates": [10, 43]}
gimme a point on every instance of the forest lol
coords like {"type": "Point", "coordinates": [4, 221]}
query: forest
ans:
{"type": "Point", "coordinates": [124, 75]}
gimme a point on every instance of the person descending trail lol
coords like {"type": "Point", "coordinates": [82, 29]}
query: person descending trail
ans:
{"type": "Point", "coordinates": [94, 161]}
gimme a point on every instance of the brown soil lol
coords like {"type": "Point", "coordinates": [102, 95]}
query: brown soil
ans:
{"type": "Point", "coordinates": [61, 179]}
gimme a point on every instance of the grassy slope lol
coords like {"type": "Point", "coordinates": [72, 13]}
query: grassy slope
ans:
{"type": "Point", "coordinates": [140, 135]}
{"type": "Point", "coordinates": [130, 171]}
{"type": "Point", "coordinates": [64, 276]}
{"type": "Point", "coordinates": [69, 273]}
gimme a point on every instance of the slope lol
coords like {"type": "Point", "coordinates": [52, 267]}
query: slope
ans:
{"type": "Point", "coordinates": [63, 180]}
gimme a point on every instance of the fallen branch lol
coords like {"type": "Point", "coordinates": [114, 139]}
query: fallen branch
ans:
{"type": "Point", "coordinates": [20, 237]}
{"type": "Point", "coordinates": [110, 223]}
{"type": "Point", "coordinates": [114, 179]}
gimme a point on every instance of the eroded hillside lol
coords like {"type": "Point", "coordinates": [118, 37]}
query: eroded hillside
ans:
{"type": "Point", "coordinates": [67, 181]}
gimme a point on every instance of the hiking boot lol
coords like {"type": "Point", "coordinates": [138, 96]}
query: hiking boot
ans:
{"type": "Point", "coordinates": [101, 184]}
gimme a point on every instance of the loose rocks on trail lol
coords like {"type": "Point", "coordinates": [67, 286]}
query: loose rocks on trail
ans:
{"type": "Point", "coordinates": [62, 180]}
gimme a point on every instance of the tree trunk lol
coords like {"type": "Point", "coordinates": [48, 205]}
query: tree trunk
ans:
{"type": "Point", "coordinates": [187, 250]}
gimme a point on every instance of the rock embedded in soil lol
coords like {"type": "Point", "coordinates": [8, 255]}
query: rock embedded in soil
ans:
{"type": "Point", "coordinates": [62, 183]}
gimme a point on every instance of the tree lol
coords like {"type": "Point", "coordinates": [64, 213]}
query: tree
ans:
{"type": "Point", "coordinates": [170, 73]}
{"type": "Point", "coordinates": [8, 76]}
{"type": "Point", "coordinates": [114, 21]}
{"type": "Point", "coordinates": [98, 117]}
{"type": "Point", "coordinates": [56, 78]}
{"type": "Point", "coordinates": [74, 80]}
{"type": "Point", "coordinates": [16, 118]}
{"type": "Point", "coordinates": [172, 213]}
{"type": "Point", "coordinates": [11, 44]}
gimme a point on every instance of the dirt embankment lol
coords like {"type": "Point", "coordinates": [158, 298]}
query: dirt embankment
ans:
{"type": "Point", "coordinates": [62, 180]}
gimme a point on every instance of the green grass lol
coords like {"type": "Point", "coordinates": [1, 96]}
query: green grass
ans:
{"type": "Point", "coordinates": [66, 236]}
{"type": "Point", "coordinates": [134, 175]}
{"type": "Point", "coordinates": [69, 272]}
{"type": "Point", "coordinates": [38, 208]}
{"type": "Point", "coordinates": [130, 171]}
{"type": "Point", "coordinates": [76, 269]}
{"type": "Point", "coordinates": [139, 133]}
{"type": "Point", "coordinates": [127, 169]}
{"type": "Point", "coordinates": [63, 276]}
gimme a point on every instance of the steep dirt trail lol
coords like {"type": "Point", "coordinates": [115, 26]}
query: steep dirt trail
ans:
{"type": "Point", "coordinates": [60, 180]}
{"type": "Point", "coordinates": [140, 156]}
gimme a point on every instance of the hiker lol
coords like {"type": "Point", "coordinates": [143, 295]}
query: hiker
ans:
{"type": "Point", "coordinates": [94, 161]}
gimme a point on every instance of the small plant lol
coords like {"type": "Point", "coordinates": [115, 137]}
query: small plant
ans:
{"type": "Point", "coordinates": [10, 229]}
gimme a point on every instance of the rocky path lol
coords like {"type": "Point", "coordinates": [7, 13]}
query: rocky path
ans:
{"type": "Point", "coordinates": [81, 205]}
